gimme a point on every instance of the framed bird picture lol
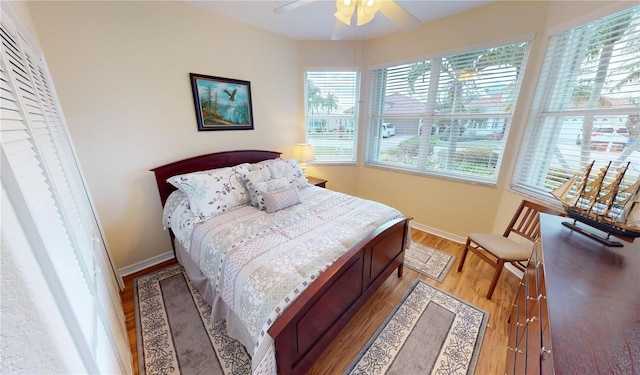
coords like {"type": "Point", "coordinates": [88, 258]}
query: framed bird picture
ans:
{"type": "Point", "coordinates": [222, 103]}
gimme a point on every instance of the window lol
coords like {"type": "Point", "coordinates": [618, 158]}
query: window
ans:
{"type": "Point", "coordinates": [448, 116]}
{"type": "Point", "coordinates": [586, 108]}
{"type": "Point", "coordinates": [331, 102]}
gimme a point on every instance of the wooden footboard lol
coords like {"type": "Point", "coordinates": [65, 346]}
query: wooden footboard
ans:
{"type": "Point", "coordinates": [316, 317]}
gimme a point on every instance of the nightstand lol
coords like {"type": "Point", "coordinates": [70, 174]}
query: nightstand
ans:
{"type": "Point", "coordinates": [317, 181]}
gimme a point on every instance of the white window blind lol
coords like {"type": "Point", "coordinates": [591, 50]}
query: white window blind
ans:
{"type": "Point", "coordinates": [331, 121]}
{"type": "Point", "coordinates": [447, 116]}
{"type": "Point", "coordinates": [586, 108]}
{"type": "Point", "coordinates": [41, 175]}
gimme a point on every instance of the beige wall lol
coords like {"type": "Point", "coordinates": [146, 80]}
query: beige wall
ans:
{"type": "Point", "coordinates": [121, 72]}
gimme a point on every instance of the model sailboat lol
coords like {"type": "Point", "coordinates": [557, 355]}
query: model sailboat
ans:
{"type": "Point", "coordinates": [602, 205]}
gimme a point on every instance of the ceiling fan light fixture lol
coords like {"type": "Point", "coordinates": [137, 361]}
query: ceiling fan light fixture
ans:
{"type": "Point", "coordinates": [345, 9]}
{"type": "Point", "coordinates": [367, 10]}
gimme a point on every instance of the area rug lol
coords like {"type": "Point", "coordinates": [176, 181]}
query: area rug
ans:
{"type": "Point", "coordinates": [429, 332]}
{"type": "Point", "coordinates": [428, 261]}
{"type": "Point", "coordinates": [174, 332]}
{"type": "Point", "coordinates": [175, 335]}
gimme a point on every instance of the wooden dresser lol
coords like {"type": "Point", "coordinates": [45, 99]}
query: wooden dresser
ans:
{"type": "Point", "coordinates": [578, 307]}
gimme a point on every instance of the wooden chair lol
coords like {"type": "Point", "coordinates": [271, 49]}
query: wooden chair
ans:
{"type": "Point", "coordinates": [500, 249]}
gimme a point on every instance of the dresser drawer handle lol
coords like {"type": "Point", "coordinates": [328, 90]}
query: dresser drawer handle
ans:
{"type": "Point", "coordinates": [540, 296]}
{"type": "Point", "coordinates": [532, 319]}
{"type": "Point", "coordinates": [515, 350]}
{"type": "Point", "coordinates": [544, 351]}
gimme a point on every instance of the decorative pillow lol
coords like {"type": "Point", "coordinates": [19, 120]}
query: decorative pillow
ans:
{"type": "Point", "coordinates": [252, 178]}
{"type": "Point", "coordinates": [289, 169]}
{"type": "Point", "coordinates": [278, 199]}
{"type": "Point", "coordinates": [258, 188]}
{"type": "Point", "coordinates": [262, 164]}
{"type": "Point", "coordinates": [174, 200]}
{"type": "Point", "coordinates": [214, 191]}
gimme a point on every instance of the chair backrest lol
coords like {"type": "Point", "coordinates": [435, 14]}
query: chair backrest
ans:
{"type": "Point", "coordinates": [526, 220]}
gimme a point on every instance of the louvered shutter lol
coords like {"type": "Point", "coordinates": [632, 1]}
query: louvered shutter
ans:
{"type": "Point", "coordinates": [40, 172]}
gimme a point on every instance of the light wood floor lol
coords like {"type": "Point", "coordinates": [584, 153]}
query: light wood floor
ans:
{"type": "Point", "coordinates": [470, 285]}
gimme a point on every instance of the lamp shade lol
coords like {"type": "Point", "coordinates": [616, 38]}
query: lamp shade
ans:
{"type": "Point", "coordinates": [304, 152]}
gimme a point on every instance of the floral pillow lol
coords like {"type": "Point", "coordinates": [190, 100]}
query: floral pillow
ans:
{"type": "Point", "coordinates": [290, 170]}
{"type": "Point", "coordinates": [253, 177]}
{"type": "Point", "coordinates": [262, 164]}
{"type": "Point", "coordinates": [174, 200]}
{"type": "Point", "coordinates": [257, 189]}
{"type": "Point", "coordinates": [214, 191]}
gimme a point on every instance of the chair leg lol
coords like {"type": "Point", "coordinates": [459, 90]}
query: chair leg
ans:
{"type": "Point", "coordinates": [496, 276]}
{"type": "Point", "coordinates": [464, 254]}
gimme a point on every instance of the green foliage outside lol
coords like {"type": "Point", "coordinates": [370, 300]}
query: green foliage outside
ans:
{"type": "Point", "coordinates": [479, 161]}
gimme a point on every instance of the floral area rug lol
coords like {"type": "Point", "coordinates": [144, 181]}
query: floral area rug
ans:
{"type": "Point", "coordinates": [174, 332]}
{"type": "Point", "coordinates": [428, 261]}
{"type": "Point", "coordinates": [429, 332]}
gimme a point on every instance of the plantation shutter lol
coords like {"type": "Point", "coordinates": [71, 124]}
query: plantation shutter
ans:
{"type": "Point", "coordinates": [331, 121]}
{"type": "Point", "coordinates": [586, 106]}
{"type": "Point", "coordinates": [41, 174]}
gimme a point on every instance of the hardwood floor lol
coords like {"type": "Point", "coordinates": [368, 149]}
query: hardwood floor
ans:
{"type": "Point", "coordinates": [470, 285]}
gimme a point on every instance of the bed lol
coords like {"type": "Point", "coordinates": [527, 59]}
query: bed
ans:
{"type": "Point", "coordinates": [323, 297]}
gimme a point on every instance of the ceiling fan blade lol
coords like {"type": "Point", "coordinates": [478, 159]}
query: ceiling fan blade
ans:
{"type": "Point", "coordinates": [291, 6]}
{"type": "Point", "coordinates": [398, 15]}
{"type": "Point", "coordinates": [339, 31]}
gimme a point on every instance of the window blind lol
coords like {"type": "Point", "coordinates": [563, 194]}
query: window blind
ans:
{"type": "Point", "coordinates": [586, 108]}
{"type": "Point", "coordinates": [41, 173]}
{"type": "Point", "coordinates": [331, 114]}
{"type": "Point", "coordinates": [450, 116]}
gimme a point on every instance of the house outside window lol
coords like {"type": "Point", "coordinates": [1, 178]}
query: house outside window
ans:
{"type": "Point", "coordinates": [446, 117]}
{"type": "Point", "coordinates": [586, 108]}
{"type": "Point", "coordinates": [331, 114]}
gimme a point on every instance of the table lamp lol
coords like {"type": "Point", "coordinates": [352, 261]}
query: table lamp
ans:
{"type": "Point", "coordinates": [304, 153]}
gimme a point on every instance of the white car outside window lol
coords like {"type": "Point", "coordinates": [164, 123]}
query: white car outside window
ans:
{"type": "Point", "coordinates": [388, 130]}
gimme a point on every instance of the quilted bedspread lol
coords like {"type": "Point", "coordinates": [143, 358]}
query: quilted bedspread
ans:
{"type": "Point", "coordinates": [259, 262]}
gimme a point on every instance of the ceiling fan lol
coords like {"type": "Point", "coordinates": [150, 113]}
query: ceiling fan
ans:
{"type": "Point", "coordinates": [364, 11]}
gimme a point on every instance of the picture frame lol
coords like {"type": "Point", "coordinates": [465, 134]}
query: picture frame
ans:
{"type": "Point", "coordinates": [221, 103]}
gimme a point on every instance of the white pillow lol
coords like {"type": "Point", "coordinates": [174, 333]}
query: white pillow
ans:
{"type": "Point", "coordinates": [174, 200]}
{"type": "Point", "coordinates": [253, 177]}
{"type": "Point", "coordinates": [278, 199]}
{"type": "Point", "coordinates": [214, 191]}
{"type": "Point", "coordinates": [290, 170]}
{"type": "Point", "coordinates": [258, 188]}
{"type": "Point", "coordinates": [262, 164]}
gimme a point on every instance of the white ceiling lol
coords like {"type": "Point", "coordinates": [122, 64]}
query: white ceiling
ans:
{"type": "Point", "coordinates": [315, 21]}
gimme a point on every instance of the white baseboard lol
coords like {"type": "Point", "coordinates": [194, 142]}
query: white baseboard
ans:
{"type": "Point", "coordinates": [438, 232]}
{"type": "Point", "coordinates": [128, 270]}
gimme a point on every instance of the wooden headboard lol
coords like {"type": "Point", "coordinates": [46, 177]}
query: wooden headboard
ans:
{"type": "Point", "coordinates": [204, 162]}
